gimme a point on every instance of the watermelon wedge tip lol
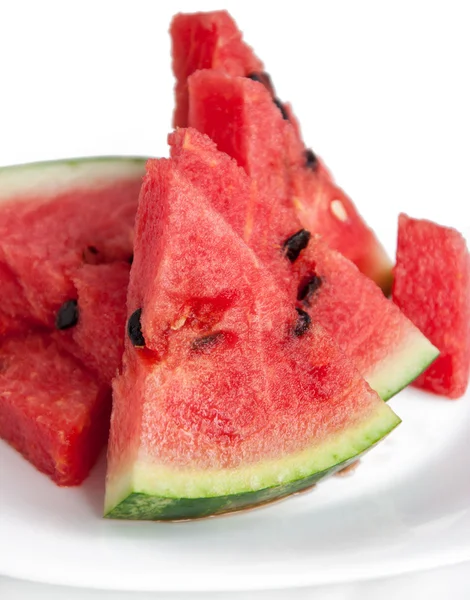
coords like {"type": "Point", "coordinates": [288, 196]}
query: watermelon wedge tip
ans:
{"type": "Point", "coordinates": [228, 397]}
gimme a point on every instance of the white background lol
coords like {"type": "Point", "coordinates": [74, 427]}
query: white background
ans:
{"type": "Point", "coordinates": [382, 90]}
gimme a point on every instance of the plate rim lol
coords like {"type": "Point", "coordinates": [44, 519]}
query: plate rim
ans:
{"type": "Point", "coordinates": [359, 576]}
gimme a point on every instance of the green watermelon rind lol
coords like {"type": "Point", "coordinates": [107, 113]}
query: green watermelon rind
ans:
{"type": "Point", "coordinates": [151, 492]}
{"type": "Point", "coordinates": [402, 366]}
{"type": "Point", "coordinates": [42, 179]}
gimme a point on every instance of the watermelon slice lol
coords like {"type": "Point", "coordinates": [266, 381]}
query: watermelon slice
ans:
{"type": "Point", "coordinates": [389, 351]}
{"type": "Point", "coordinates": [66, 230]}
{"type": "Point", "coordinates": [248, 122]}
{"type": "Point", "coordinates": [52, 410]}
{"type": "Point", "coordinates": [66, 237]}
{"type": "Point", "coordinates": [432, 287]}
{"type": "Point", "coordinates": [228, 397]}
{"type": "Point", "coordinates": [53, 217]}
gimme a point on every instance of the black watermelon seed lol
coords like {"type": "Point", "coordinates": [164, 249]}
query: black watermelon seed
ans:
{"type": "Point", "coordinates": [256, 77]}
{"type": "Point", "coordinates": [311, 161]}
{"type": "Point", "coordinates": [295, 244]}
{"type": "Point", "coordinates": [91, 255]}
{"type": "Point", "coordinates": [130, 260]}
{"type": "Point", "coordinates": [303, 322]}
{"type": "Point", "coordinates": [306, 291]}
{"type": "Point", "coordinates": [134, 329]}
{"type": "Point", "coordinates": [67, 315]}
{"type": "Point", "coordinates": [207, 342]}
{"type": "Point", "coordinates": [282, 108]}
{"type": "Point", "coordinates": [263, 78]}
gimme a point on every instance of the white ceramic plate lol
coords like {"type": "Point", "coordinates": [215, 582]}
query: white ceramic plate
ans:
{"type": "Point", "coordinates": [381, 95]}
{"type": "Point", "coordinates": [406, 508]}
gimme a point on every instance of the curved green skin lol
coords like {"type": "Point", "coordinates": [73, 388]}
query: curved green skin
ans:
{"type": "Point", "coordinates": [51, 177]}
{"type": "Point", "coordinates": [139, 501]}
{"type": "Point", "coordinates": [139, 506]}
{"type": "Point", "coordinates": [402, 366]}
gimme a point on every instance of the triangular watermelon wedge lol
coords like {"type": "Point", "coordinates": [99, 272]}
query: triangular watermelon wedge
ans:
{"type": "Point", "coordinates": [227, 398]}
{"type": "Point", "coordinates": [388, 350]}
{"type": "Point", "coordinates": [386, 347]}
{"type": "Point", "coordinates": [279, 152]}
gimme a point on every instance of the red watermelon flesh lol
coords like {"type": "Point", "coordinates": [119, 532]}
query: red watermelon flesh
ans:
{"type": "Point", "coordinates": [97, 339]}
{"type": "Point", "coordinates": [16, 318]}
{"type": "Point", "coordinates": [52, 410]}
{"type": "Point", "coordinates": [48, 231]}
{"type": "Point", "coordinates": [432, 287]}
{"type": "Point", "coordinates": [321, 206]}
{"type": "Point", "coordinates": [240, 116]}
{"type": "Point", "coordinates": [253, 216]}
{"type": "Point", "coordinates": [387, 348]}
{"type": "Point", "coordinates": [222, 395]}
{"type": "Point", "coordinates": [67, 227]}
{"type": "Point", "coordinates": [206, 41]}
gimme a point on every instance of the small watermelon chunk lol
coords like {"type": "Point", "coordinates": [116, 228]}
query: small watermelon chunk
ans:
{"type": "Point", "coordinates": [227, 397]}
{"type": "Point", "coordinates": [52, 410]}
{"type": "Point", "coordinates": [54, 217]}
{"type": "Point", "coordinates": [206, 41]}
{"type": "Point", "coordinates": [247, 121]}
{"type": "Point", "coordinates": [432, 287]}
{"type": "Point", "coordinates": [97, 338]}
{"type": "Point", "coordinates": [389, 351]}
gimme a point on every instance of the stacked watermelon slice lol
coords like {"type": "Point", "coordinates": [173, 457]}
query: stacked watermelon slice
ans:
{"type": "Point", "coordinates": [66, 231]}
{"type": "Point", "coordinates": [259, 347]}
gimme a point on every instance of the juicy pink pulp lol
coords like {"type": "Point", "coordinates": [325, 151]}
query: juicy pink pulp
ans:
{"type": "Point", "coordinates": [52, 410]}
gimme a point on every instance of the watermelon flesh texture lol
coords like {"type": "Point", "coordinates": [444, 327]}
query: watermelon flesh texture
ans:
{"type": "Point", "coordinates": [16, 317]}
{"type": "Point", "coordinates": [254, 217]}
{"type": "Point", "coordinates": [97, 339]}
{"type": "Point", "coordinates": [224, 407]}
{"type": "Point", "coordinates": [432, 287]}
{"type": "Point", "coordinates": [278, 151]}
{"type": "Point", "coordinates": [47, 231]}
{"type": "Point", "coordinates": [388, 350]}
{"type": "Point", "coordinates": [52, 409]}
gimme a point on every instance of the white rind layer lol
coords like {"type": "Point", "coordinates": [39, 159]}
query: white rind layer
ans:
{"type": "Point", "coordinates": [47, 179]}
